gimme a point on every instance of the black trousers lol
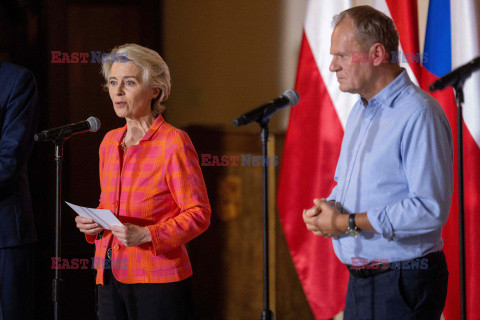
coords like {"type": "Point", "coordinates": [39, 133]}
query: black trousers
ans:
{"type": "Point", "coordinates": [409, 292]}
{"type": "Point", "coordinates": [16, 283]}
{"type": "Point", "coordinates": [144, 301]}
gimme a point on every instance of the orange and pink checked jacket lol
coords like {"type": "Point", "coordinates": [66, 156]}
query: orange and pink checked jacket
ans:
{"type": "Point", "coordinates": [158, 184]}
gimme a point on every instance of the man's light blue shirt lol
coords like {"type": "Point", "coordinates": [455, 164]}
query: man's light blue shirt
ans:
{"type": "Point", "coordinates": [395, 164]}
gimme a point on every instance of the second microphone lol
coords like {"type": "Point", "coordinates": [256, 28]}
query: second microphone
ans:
{"type": "Point", "coordinates": [289, 98]}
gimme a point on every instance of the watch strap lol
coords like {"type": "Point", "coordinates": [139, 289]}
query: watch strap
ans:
{"type": "Point", "coordinates": [351, 222]}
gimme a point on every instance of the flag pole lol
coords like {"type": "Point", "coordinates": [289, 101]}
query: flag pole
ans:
{"type": "Point", "coordinates": [459, 99]}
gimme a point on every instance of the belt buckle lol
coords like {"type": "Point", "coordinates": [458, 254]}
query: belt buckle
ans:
{"type": "Point", "coordinates": [109, 253]}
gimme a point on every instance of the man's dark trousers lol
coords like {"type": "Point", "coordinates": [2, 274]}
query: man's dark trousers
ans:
{"type": "Point", "coordinates": [403, 292]}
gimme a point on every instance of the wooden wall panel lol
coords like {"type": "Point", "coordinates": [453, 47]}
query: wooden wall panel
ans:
{"type": "Point", "coordinates": [227, 259]}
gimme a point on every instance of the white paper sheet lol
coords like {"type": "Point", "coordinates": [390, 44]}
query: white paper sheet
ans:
{"type": "Point", "coordinates": [103, 217]}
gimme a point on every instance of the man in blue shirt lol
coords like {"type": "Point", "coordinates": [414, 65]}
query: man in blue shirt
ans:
{"type": "Point", "coordinates": [394, 179]}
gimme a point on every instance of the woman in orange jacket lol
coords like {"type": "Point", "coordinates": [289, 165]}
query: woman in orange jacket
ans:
{"type": "Point", "coordinates": [151, 180]}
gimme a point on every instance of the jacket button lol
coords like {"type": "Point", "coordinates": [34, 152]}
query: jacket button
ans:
{"type": "Point", "coordinates": [115, 247]}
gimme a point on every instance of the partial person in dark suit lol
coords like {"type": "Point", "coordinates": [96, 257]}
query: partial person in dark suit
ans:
{"type": "Point", "coordinates": [18, 121]}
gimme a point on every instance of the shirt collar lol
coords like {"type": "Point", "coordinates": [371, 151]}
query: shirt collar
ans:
{"type": "Point", "coordinates": [156, 124]}
{"type": "Point", "coordinates": [390, 92]}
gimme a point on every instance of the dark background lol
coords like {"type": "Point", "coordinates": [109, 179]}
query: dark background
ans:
{"type": "Point", "coordinates": [227, 258]}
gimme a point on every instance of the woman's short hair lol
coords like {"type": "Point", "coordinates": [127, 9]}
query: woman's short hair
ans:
{"type": "Point", "coordinates": [372, 26]}
{"type": "Point", "coordinates": [154, 70]}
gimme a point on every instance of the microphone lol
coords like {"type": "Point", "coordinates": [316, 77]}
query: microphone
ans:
{"type": "Point", "coordinates": [92, 124]}
{"type": "Point", "coordinates": [457, 75]}
{"type": "Point", "coordinates": [289, 98]}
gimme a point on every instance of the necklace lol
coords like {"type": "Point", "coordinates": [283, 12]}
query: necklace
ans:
{"type": "Point", "coordinates": [124, 145]}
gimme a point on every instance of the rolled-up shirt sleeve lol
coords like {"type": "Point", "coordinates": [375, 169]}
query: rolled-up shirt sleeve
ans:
{"type": "Point", "coordinates": [426, 151]}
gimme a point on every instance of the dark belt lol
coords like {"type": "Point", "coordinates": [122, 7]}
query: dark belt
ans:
{"type": "Point", "coordinates": [372, 269]}
{"type": "Point", "coordinates": [109, 253]}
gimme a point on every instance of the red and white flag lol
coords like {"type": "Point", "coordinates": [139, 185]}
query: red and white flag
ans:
{"type": "Point", "coordinates": [312, 147]}
{"type": "Point", "coordinates": [452, 39]}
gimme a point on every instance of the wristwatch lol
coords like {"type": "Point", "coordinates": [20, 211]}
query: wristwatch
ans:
{"type": "Point", "coordinates": [352, 226]}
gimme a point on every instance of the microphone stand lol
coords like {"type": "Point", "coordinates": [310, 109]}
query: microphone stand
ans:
{"type": "Point", "coordinates": [264, 113]}
{"type": "Point", "coordinates": [456, 79]}
{"type": "Point", "coordinates": [267, 314]}
{"type": "Point", "coordinates": [57, 281]}
{"type": "Point", "coordinates": [459, 99]}
{"type": "Point", "coordinates": [58, 136]}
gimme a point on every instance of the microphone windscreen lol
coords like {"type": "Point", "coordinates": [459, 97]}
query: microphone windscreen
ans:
{"type": "Point", "coordinates": [292, 96]}
{"type": "Point", "coordinates": [94, 124]}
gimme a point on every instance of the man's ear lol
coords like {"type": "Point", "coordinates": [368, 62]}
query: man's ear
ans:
{"type": "Point", "coordinates": [378, 54]}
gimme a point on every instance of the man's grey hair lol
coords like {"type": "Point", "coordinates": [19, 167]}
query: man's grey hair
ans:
{"type": "Point", "coordinates": [372, 27]}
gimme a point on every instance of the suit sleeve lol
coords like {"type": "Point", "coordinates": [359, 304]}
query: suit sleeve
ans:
{"type": "Point", "coordinates": [19, 125]}
{"type": "Point", "coordinates": [186, 184]}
